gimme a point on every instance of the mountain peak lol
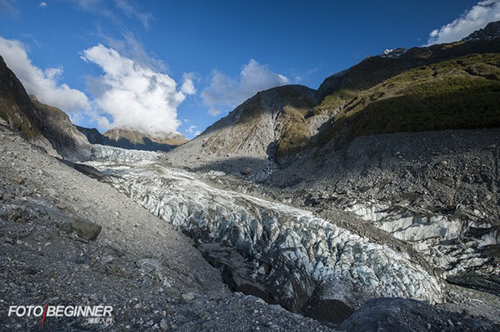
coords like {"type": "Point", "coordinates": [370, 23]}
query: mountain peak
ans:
{"type": "Point", "coordinates": [491, 31]}
{"type": "Point", "coordinates": [138, 137]}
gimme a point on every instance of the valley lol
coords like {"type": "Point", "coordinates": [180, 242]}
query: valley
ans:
{"type": "Point", "coordinates": [372, 201]}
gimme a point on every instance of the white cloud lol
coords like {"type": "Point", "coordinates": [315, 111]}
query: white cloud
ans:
{"type": "Point", "coordinates": [225, 93]}
{"type": "Point", "coordinates": [477, 17]}
{"type": "Point", "coordinates": [187, 84]}
{"type": "Point", "coordinates": [42, 5]}
{"type": "Point", "coordinates": [42, 83]}
{"type": "Point", "coordinates": [133, 95]}
{"type": "Point", "coordinates": [191, 129]}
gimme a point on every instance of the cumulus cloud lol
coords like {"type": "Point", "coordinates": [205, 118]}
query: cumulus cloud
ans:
{"type": "Point", "coordinates": [132, 95]}
{"type": "Point", "coordinates": [225, 93]}
{"type": "Point", "coordinates": [44, 84]}
{"type": "Point", "coordinates": [476, 18]}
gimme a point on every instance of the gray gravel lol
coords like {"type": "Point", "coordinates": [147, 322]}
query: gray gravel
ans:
{"type": "Point", "coordinates": [43, 261]}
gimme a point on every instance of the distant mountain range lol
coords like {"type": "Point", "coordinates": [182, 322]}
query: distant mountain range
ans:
{"type": "Point", "coordinates": [132, 139]}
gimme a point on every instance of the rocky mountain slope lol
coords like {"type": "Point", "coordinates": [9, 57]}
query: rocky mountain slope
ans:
{"type": "Point", "coordinates": [491, 31]}
{"type": "Point", "coordinates": [48, 126]}
{"type": "Point", "coordinates": [438, 191]}
{"type": "Point", "coordinates": [58, 129]}
{"type": "Point", "coordinates": [260, 130]}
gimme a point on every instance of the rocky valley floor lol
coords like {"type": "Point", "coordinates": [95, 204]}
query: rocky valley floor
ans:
{"type": "Point", "coordinates": [151, 273]}
{"type": "Point", "coordinates": [44, 260]}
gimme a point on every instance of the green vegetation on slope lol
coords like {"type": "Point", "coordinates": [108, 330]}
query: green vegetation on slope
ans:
{"type": "Point", "coordinates": [294, 133]}
{"type": "Point", "coordinates": [455, 94]}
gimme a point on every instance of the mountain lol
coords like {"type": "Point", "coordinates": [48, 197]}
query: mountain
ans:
{"type": "Point", "coordinates": [448, 86]}
{"type": "Point", "coordinates": [15, 103]}
{"type": "Point", "coordinates": [459, 93]}
{"type": "Point", "coordinates": [132, 139]}
{"type": "Point", "coordinates": [82, 240]}
{"type": "Point", "coordinates": [264, 128]}
{"type": "Point", "coordinates": [408, 140]}
{"type": "Point", "coordinates": [45, 125]}
{"type": "Point", "coordinates": [56, 126]}
{"type": "Point", "coordinates": [491, 31]}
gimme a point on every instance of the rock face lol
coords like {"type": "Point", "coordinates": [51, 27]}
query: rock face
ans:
{"type": "Point", "coordinates": [15, 103]}
{"type": "Point", "coordinates": [16, 109]}
{"type": "Point", "coordinates": [294, 253]}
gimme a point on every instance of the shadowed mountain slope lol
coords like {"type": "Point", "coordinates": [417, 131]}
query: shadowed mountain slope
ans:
{"type": "Point", "coordinates": [37, 121]}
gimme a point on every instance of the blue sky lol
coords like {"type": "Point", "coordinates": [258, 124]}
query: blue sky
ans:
{"type": "Point", "coordinates": [178, 66]}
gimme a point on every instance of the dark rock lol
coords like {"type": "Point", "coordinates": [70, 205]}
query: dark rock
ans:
{"type": "Point", "coordinates": [401, 315]}
{"type": "Point", "coordinates": [85, 169]}
{"type": "Point", "coordinates": [86, 229]}
{"type": "Point", "coordinates": [246, 171]}
{"type": "Point", "coordinates": [329, 310]}
{"type": "Point", "coordinates": [236, 272]}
